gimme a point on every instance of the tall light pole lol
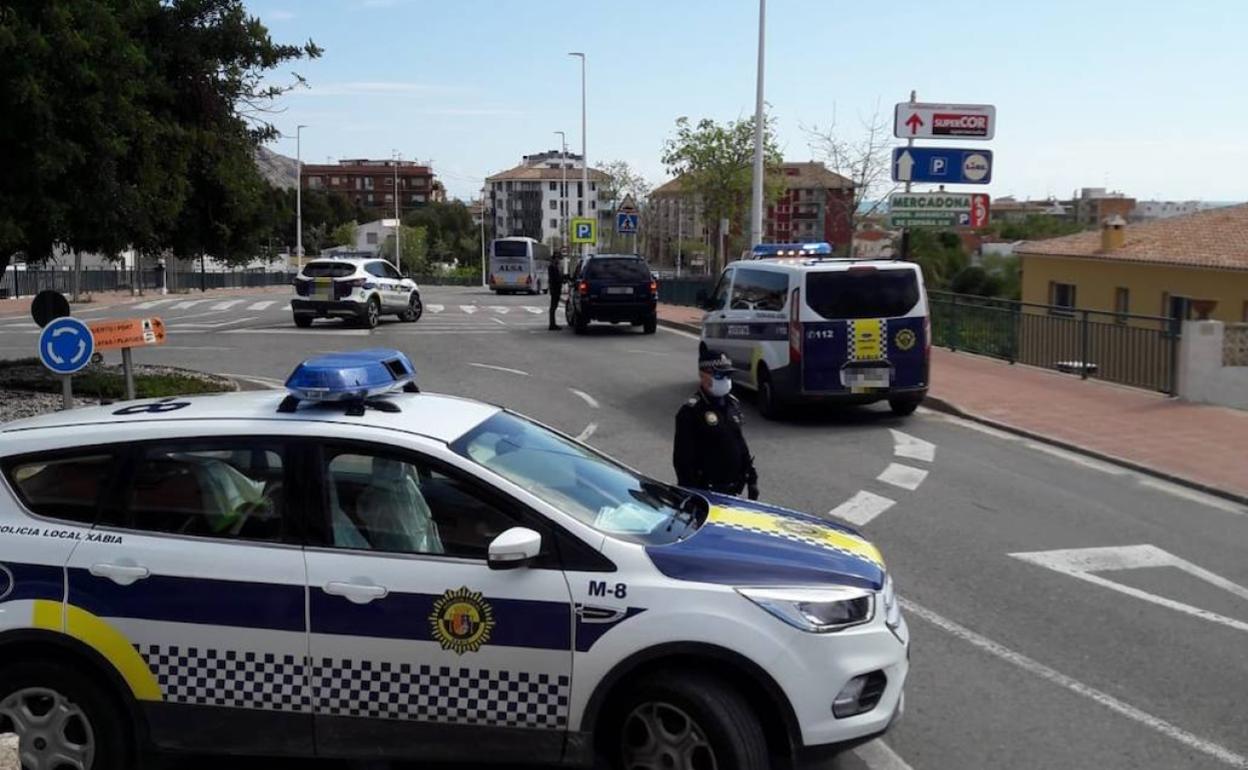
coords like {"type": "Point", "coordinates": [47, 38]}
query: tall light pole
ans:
{"type": "Point", "coordinates": [563, 190]}
{"type": "Point", "coordinates": [483, 192]}
{"type": "Point", "coordinates": [584, 151]}
{"type": "Point", "coordinates": [299, 197]}
{"type": "Point", "coordinates": [756, 204]}
{"type": "Point", "coordinates": [398, 223]}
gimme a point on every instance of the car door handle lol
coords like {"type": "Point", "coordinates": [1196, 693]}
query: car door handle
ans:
{"type": "Point", "coordinates": [121, 574]}
{"type": "Point", "coordinates": [357, 593]}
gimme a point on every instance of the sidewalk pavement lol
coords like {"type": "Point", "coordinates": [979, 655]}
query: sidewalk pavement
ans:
{"type": "Point", "coordinates": [1201, 446]}
{"type": "Point", "coordinates": [21, 305]}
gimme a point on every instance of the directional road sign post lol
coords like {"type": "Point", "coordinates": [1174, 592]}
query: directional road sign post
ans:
{"type": "Point", "coordinates": [584, 230]}
{"type": "Point", "coordinates": [938, 210]}
{"type": "Point", "coordinates": [127, 333]}
{"type": "Point", "coordinates": [66, 346]}
{"type": "Point", "coordinates": [916, 120]}
{"type": "Point", "coordinates": [942, 165]}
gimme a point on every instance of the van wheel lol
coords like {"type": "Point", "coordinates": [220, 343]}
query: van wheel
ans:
{"type": "Point", "coordinates": [579, 323]}
{"type": "Point", "coordinates": [62, 719]}
{"type": "Point", "coordinates": [769, 404]}
{"type": "Point", "coordinates": [904, 407]}
{"type": "Point", "coordinates": [686, 722]}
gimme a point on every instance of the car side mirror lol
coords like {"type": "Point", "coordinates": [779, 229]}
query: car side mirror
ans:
{"type": "Point", "coordinates": [514, 548]}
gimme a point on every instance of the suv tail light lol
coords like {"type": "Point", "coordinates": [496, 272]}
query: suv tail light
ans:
{"type": "Point", "coordinates": [795, 327]}
{"type": "Point", "coordinates": [582, 288]}
{"type": "Point", "coordinates": [654, 289]}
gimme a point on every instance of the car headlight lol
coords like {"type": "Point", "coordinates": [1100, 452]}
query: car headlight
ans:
{"type": "Point", "coordinates": [817, 610]}
{"type": "Point", "coordinates": [892, 608]}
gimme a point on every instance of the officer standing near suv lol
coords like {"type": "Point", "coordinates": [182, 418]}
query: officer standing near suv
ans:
{"type": "Point", "coordinates": [554, 283]}
{"type": "Point", "coordinates": [710, 451]}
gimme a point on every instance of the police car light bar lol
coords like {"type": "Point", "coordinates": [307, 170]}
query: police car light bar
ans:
{"type": "Point", "coordinates": [353, 377]}
{"type": "Point", "coordinates": [765, 250]}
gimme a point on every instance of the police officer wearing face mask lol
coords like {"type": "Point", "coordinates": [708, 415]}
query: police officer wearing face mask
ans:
{"type": "Point", "coordinates": [710, 451]}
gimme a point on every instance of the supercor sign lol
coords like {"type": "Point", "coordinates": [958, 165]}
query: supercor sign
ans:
{"type": "Point", "coordinates": [944, 121]}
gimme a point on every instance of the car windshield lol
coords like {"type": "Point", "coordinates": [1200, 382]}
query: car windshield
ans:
{"type": "Point", "coordinates": [328, 269]}
{"type": "Point", "coordinates": [618, 270]}
{"type": "Point", "coordinates": [862, 292]}
{"type": "Point", "coordinates": [580, 482]}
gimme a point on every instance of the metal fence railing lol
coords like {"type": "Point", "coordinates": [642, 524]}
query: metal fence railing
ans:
{"type": "Point", "coordinates": [683, 291]}
{"type": "Point", "coordinates": [27, 283]}
{"type": "Point", "coordinates": [1136, 350]}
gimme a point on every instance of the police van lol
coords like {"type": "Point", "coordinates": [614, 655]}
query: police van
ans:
{"type": "Point", "coordinates": [801, 325]}
{"type": "Point", "coordinates": [353, 568]}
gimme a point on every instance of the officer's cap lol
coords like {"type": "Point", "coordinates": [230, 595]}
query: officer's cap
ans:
{"type": "Point", "coordinates": [713, 361]}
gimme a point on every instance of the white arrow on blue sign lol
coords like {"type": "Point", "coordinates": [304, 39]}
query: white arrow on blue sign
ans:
{"type": "Point", "coordinates": [66, 345]}
{"type": "Point", "coordinates": [942, 165]}
{"type": "Point", "coordinates": [626, 223]}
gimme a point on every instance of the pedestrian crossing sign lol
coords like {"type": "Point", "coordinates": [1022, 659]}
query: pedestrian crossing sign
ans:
{"type": "Point", "coordinates": [584, 230]}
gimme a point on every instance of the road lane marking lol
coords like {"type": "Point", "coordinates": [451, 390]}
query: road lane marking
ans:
{"type": "Point", "coordinates": [879, 756]}
{"type": "Point", "coordinates": [1077, 459]}
{"type": "Point", "coordinates": [183, 305]}
{"type": "Point", "coordinates": [905, 445]}
{"type": "Point", "coordinates": [902, 476]}
{"type": "Point", "coordinates": [646, 352]}
{"type": "Point", "coordinates": [975, 426]}
{"type": "Point", "coordinates": [585, 397]}
{"type": "Point", "coordinates": [435, 308]}
{"type": "Point", "coordinates": [589, 431]}
{"type": "Point", "coordinates": [500, 309]}
{"type": "Point", "coordinates": [533, 310]}
{"type": "Point", "coordinates": [229, 303]}
{"type": "Point", "coordinates": [469, 309]}
{"type": "Point", "coordinates": [500, 369]}
{"type": "Point", "coordinates": [860, 509]}
{"type": "Point", "coordinates": [151, 303]}
{"type": "Point", "coordinates": [679, 332]}
{"type": "Point", "coordinates": [178, 324]}
{"type": "Point", "coordinates": [268, 382]}
{"type": "Point", "coordinates": [1194, 495]}
{"type": "Point", "coordinates": [499, 321]}
{"type": "Point", "coordinates": [1222, 754]}
{"type": "Point", "coordinates": [313, 330]}
{"type": "Point", "coordinates": [1081, 563]}
{"type": "Point", "coordinates": [262, 305]}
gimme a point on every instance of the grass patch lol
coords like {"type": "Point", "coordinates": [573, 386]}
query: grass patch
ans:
{"type": "Point", "coordinates": [108, 382]}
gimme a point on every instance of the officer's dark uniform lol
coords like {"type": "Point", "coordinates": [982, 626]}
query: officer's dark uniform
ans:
{"type": "Point", "coordinates": [710, 451]}
{"type": "Point", "coordinates": [554, 282]}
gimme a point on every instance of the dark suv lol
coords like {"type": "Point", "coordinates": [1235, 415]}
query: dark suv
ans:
{"type": "Point", "coordinates": [618, 288]}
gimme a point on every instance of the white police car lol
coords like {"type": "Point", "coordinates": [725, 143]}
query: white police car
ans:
{"type": "Point", "coordinates": [354, 288]}
{"type": "Point", "coordinates": [349, 570]}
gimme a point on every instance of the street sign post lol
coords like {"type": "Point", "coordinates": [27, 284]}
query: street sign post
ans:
{"type": "Point", "coordinates": [66, 346]}
{"type": "Point", "coordinates": [938, 210]}
{"type": "Point", "coordinates": [48, 305]}
{"type": "Point", "coordinates": [127, 333]}
{"type": "Point", "coordinates": [917, 120]}
{"type": "Point", "coordinates": [942, 165]}
{"type": "Point", "coordinates": [626, 222]}
{"type": "Point", "coordinates": [584, 230]}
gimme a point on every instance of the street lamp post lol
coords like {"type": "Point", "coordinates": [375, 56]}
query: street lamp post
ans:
{"type": "Point", "coordinates": [584, 150]}
{"type": "Point", "coordinates": [299, 197]}
{"type": "Point", "coordinates": [483, 192]}
{"type": "Point", "coordinates": [756, 203]}
{"type": "Point", "coordinates": [563, 191]}
{"type": "Point", "coordinates": [398, 223]}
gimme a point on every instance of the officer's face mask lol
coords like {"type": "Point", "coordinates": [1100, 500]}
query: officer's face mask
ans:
{"type": "Point", "coordinates": [720, 386]}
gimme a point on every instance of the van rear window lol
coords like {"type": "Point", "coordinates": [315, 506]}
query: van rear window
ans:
{"type": "Point", "coordinates": [511, 248]}
{"type": "Point", "coordinates": [617, 270]}
{"type": "Point", "coordinates": [328, 269]}
{"type": "Point", "coordinates": [859, 293]}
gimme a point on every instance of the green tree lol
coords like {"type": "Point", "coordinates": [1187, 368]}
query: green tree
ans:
{"type": "Point", "coordinates": [414, 259]}
{"type": "Point", "coordinates": [344, 234]}
{"type": "Point", "coordinates": [939, 254]}
{"type": "Point", "coordinates": [715, 162]}
{"type": "Point", "coordinates": [134, 124]}
{"type": "Point", "coordinates": [449, 228]}
{"type": "Point", "coordinates": [1033, 228]}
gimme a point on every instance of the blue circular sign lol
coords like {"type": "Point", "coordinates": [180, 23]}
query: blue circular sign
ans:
{"type": "Point", "coordinates": [6, 582]}
{"type": "Point", "coordinates": [66, 345]}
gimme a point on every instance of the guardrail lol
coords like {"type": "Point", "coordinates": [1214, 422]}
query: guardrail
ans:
{"type": "Point", "coordinates": [683, 291]}
{"type": "Point", "coordinates": [1136, 350]}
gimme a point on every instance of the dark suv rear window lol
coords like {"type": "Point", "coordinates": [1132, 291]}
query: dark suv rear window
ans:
{"type": "Point", "coordinates": [328, 269]}
{"type": "Point", "coordinates": [862, 293]}
{"type": "Point", "coordinates": [631, 270]}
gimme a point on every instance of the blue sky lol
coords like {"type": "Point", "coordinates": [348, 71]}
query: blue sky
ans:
{"type": "Point", "coordinates": [1146, 97]}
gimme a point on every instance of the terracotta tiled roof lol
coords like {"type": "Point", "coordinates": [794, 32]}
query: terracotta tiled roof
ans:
{"type": "Point", "coordinates": [1217, 239]}
{"type": "Point", "coordinates": [542, 173]}
{"type": "Point", "coordinates": [797, 175]}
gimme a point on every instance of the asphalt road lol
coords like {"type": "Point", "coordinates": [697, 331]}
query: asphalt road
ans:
{"type": "Point", "coordinates": [1065, 612]}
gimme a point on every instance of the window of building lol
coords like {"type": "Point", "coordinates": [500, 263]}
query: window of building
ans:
{"type": "Point", "coordinates": [1122, 303]}
{"type": "Point", "coordinates": [1061, 295]}
{"type": "Point", "coordinates": [228, 488]}
{"type": "Point", "coordinates": [336, 180]}
{"type": "Point", "coordinates": [67, 488]}
{"type": "Point", "coordinates": [593, 204]}
{"type": "Point", "coordinates": [554, 224]}
{"type": "Point", "coordinates": [554, 186]}
{"type": "Point", "coordinates": [417, 198]}
{"type": "Point", "coordinates": [759, 290]}
{"type": "Point", "coordinates": [554, 205]}
{"type": "Point", "coordinates": [389, 197]}
{"type": "Point", "coordinates": [359, 183]}
{"type": "Point", "coordinates": [509, 187]}
{"type": "Point", "coordinates": [369, 197]}
{"type": "Point", "coordinates": [382, 502]}
{"type": "Point", "coordinates": [389, 181]}
{"type": "Point", "coordinates": [315, 182]}
{"type": "Point", "coordinates": [1243, 316]}
{"type": "Point", "coordinates": [371, 238]}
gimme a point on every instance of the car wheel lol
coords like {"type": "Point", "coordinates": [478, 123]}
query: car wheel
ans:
{"type": "Point", "coordinates": [580, 323]}
{"type": "Point", "coordinates": [687, 722]}
{"type": "Point", "coordinates": [769, 404]}
{"type": "Point", "coordinates": [303, 321]}
{"type": "Point", "coordinates": [904, 407]}
{"type": "Point", "coordinates": [650, 326]}
{"type": "Point", "coordinates": [62, 719]}
{"type": "Point", "coordinates": [372, 313]}
{"type": "Point", "coordinates": [415, 308]}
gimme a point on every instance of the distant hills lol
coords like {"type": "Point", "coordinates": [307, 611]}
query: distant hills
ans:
{"type": "Point", "coordinates": [278, 170]}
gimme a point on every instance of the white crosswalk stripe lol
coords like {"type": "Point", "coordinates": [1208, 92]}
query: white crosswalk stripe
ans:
{"type": "Point", "coordinates": [263, 305]}
{"type": "Point", "coordinates": [469, 309]}
{"type": "Point", "coordinates": [500, 309]}
{"type": "Point", "coordinates": [151, 303]}
{"type": "Point", "coordinates": [533, 310]}
{"type": "Point", "coordinates": [435, 308]}
{"type": "Point", "coordinates": [186, 304]}
{"type": "Point", "coordinates": [229, 303]}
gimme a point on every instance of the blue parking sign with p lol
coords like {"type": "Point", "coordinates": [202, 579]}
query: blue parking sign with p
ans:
{"type": "Point", "coordinates": [584, 230]}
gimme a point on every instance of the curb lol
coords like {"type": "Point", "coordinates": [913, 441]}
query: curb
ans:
{"type": "Point", "coordinates": [947, 407]}
{"type": "Point", "coordinates": [684, 327]}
